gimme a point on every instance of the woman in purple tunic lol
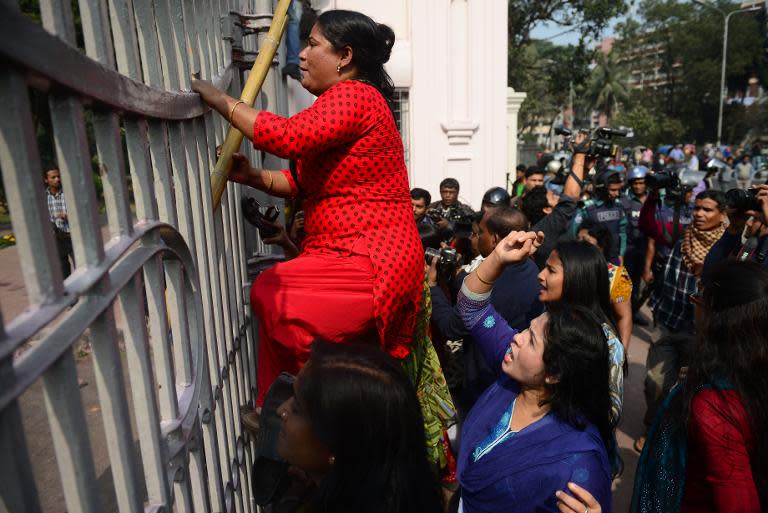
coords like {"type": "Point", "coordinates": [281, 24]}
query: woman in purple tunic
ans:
{"type": "Point", "coordinates": [545, 422]}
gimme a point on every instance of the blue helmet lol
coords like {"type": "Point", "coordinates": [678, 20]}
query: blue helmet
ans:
{"type": "Point", "coordinates": [637, 172]}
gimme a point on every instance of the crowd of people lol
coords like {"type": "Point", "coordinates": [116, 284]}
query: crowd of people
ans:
{"type": "Point", "coordinates": [453, 360]}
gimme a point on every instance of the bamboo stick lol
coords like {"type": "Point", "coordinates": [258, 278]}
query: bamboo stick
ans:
{"type": "Point", "coordinates": [261, 66]}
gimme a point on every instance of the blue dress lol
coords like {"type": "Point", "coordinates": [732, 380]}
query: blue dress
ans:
{"type": "Point", "coordinates": [522, 471]}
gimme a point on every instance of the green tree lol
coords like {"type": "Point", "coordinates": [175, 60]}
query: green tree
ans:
{"type": "Point", "coordinates": [607, 88]}
{"type": "Point", "coordinates": [588, 17]}
{"type": "Point", "coordinates": [688, 42]}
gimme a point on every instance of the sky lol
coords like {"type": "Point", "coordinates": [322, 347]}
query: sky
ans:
{"type": "Point", "coordinates": [561, 36]}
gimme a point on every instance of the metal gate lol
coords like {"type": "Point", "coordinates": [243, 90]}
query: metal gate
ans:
{"type": "Point", "coordinates": [168, 271]}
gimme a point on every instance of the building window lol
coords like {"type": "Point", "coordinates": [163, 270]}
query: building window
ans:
{"type": "Point", "coordinates": [402, 112]}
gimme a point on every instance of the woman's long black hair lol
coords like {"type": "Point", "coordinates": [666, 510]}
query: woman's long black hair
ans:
{"type": "Point", "coordinates": [732, 346]}
{"type": "Point", "coordinates": [363, 407]}
{"type": "Point", "coordinates": [371, 45]}
{"type": "Point", "coordinates": [585, 278]}
{"type": "Point", "coordinates": [576, 354]}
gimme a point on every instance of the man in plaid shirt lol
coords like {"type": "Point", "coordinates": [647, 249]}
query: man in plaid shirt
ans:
{"type": "Point", "coordinates": [673, 307]}
{"type": "Point", "coordinates": [57, 212]}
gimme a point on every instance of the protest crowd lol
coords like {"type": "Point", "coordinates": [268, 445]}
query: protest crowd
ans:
{"type": "Point", "coordinates": [421, 354]}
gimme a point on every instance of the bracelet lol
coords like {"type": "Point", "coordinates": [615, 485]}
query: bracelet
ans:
{"type": "Point", "coordinates": [477, 273]}
{"type": "Point", "coordinates": [271, 182]}
{"type": "Point", "coordinates": [232, 112]}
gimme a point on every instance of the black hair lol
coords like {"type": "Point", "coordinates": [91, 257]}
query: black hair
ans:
{"type": "Point", "coordinates": [533, 170]}
{"type": "Point", "coordinates": [417, 194]}
{"type": "Point", "coordinates": [520, 167]}
{"type": "Point", "coordinates": [585, 278]}
{"type": "Point", "coordinates": [503, 219]}
{"type": "Point", "coordinates": [364, 409]}
{"type": "Point", "coordinates": [534, 203]}
{"type": "Point", "coordinates": [576, 354]}
{"type": "Point", "coordinates": [600, 232]}
{"type": "Point", "coordinates": [430, 236]}
{"type": "Point", "coordinates": [732, 345]}
{"type": "Point", "coordinates": [371, 45]}
{"type": "Point", "coordinates": [716, 196]}
{"type": "Point", "coordinates": [449, 183]}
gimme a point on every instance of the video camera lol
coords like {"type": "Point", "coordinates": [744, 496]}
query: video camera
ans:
{"type": "Point", "coordinates": [675, 180]}
{"type": "Point", "coordinates": [460, 221]}
{"type": "Point", "coordinates": [447, 262]}
{"type": "Point", "coordinates": [743, 200]}
{"type": "Point", "coordinates": [599, 142]}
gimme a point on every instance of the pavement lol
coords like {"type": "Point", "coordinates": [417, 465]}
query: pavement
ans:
{"type": "Point", "coordinates": [13, 300]}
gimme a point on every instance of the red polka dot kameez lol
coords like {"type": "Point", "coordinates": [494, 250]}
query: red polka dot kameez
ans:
{"type": "Point", "coordinates": [362, 261]}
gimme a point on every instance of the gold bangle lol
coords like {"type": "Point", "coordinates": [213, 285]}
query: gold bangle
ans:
{"type": "Point", "coordinates": [477, 273]}
{"type": "Point", "coordinates": [271, 181]}
{"type": "Point", "coordinates": [232, 112]}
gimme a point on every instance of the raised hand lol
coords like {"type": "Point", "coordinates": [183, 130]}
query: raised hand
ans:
{"type": "Point", "coordinates": [517, 246]}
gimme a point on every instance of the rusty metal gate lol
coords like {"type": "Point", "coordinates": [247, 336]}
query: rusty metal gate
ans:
{"type": "Point", "coordinates": [167, 274]}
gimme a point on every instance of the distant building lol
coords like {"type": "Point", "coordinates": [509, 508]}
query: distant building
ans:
{"type": "Point", "coordinates": [646, 61]}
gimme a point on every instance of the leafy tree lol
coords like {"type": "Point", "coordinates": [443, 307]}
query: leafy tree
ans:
{"type": "Point", "coordinates": [607, 88]}
{"type": "Point", "coordinates": [689, 40]}
{"type": "Point", "coordinates": [589, 17]}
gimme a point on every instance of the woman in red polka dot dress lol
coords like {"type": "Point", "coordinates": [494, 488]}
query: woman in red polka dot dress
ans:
{"type": "Point", "coordinates": [361, 268]}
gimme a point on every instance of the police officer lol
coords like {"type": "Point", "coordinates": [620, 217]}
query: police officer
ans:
{"type": "Point", "coordinates": [637, 242]}
{"type": "Point", "coordinates": [606, 208]}
{"type": "Point", "coordinates": [494, 197]}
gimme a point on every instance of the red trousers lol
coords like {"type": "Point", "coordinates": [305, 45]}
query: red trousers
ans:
{"type": "Point", "coordinates": [310, 297]}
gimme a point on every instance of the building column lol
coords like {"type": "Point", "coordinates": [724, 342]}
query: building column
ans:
{"type": "Point", "coordinates": [514, 101]}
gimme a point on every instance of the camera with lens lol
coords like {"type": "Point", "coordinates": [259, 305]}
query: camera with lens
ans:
{"type": "Point", "coordinates": [666, 179]}
{"type": "Point", "coordinates": [447, 262]}
{"type": "Point", "coordinates": [460, 221]}
{"type": "Point", "coordinates": [742, 200]}
{"type": "Point", "coordinates": [263, 218]}
{"type": "Point", "coordinates": [599, 143]}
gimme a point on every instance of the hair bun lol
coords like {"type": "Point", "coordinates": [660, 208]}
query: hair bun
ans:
{"type": "Point", "coordinates": [386, 38]}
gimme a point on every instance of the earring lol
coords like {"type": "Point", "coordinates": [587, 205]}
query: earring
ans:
{"type": "Point", "coordinates": [283, 414]}
{"type": "Point", "coordinates": [338, 68]}
{"type": "Point", "coordinates": [331, 460]}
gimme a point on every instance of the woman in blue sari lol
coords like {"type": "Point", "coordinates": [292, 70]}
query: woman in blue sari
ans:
{"type": "Point", "coordinates": [545, 422]}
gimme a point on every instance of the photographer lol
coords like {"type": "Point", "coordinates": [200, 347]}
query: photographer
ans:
{"type": "Point", "coordinates": [446, 211]}
{"type": "Point", "coordinates": [605, 208]}
{"type": "Point", "coordinates": [515, 297]}
{"type": "Point", "coordinates": [746, 237]}
{"type": "Point", "coordinates": [420, 199]}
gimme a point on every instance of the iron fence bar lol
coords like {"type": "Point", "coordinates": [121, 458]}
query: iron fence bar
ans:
{"type": "Point", "coordinates": [69, 432]}
{"type": "Point", "coordinates": [143, 387]}
{"type": "Point", "coordinates": [18, 491]}
{"type": "Point", "coordinates": [97, 34]}
{"type": "Point", "coordinates": [21, 164]}
{"type": "Point", "coordinates": [218, 434]}
{"type": "Point", "coordinates": [114, 412]}
{"type": "Point", "coordinates": [106, 127]}
{"type": "Point", "coordinates": [204, 137]}
{"type": "Point", "coordinates": [30, 47]}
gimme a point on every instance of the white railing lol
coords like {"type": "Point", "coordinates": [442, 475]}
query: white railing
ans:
{"type": "Point", "coordinates": [168, 271]}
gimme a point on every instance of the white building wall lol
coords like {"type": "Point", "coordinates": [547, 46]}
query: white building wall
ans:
{"type": "Point", "coordinates": [452, 56]}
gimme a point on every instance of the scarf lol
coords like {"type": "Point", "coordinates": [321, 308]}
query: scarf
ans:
{"type": "Point", "coordinates": [697, 243]}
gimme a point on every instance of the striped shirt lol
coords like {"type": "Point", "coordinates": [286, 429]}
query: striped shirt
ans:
{"type": "Point", "coordinates": [57, 205]}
